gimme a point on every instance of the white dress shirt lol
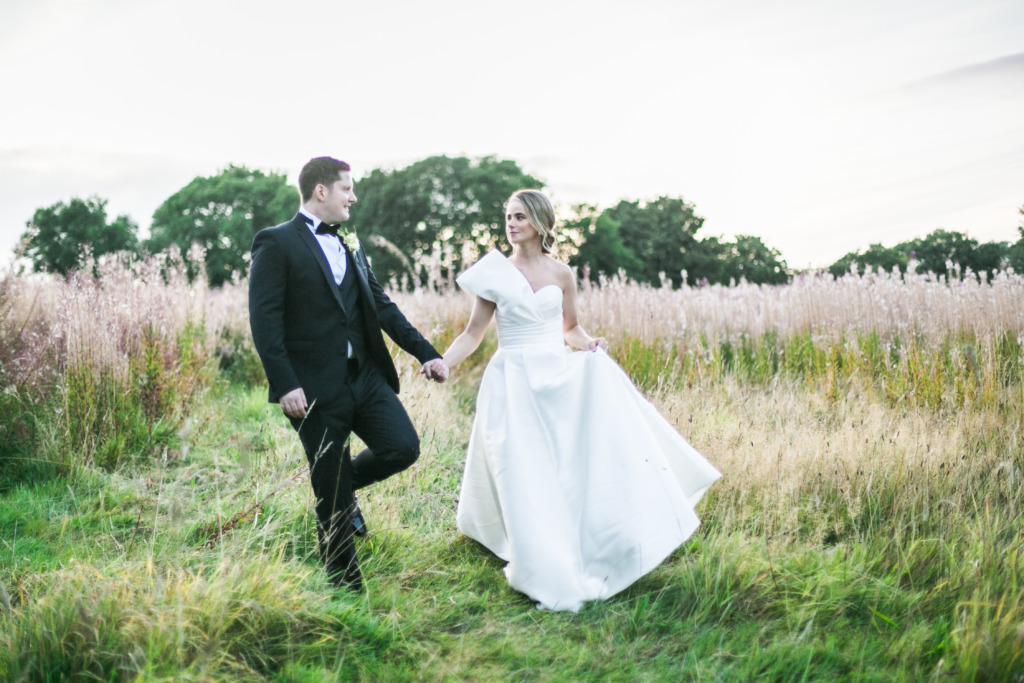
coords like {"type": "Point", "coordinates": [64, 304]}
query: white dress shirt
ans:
{"type": "Point", "coordinates": [333, 249]}
{"type": "Point", "coordinates": [331, 245]}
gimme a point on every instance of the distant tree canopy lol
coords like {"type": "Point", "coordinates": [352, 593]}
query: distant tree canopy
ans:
{"type": "Point", "coordinates": [932, 253]}
{"type": "Point", "coordinates": [601, 250]}
{"type": "Point", "coordinates": [445, 210]}
{"type": "Point", "coordinates": [876, 256]}
{"type": "Point", "coordinates": [57, 235]}
{"type": "Point", "coordinates": [651, 240]}
{"type": "Point", "coordinates": [1016, 252]}
{"type": "Point", "coordinates": [442, 205]}
{"type": "Point", "coordinates": [751, 259]}
{"type": "Point", "coordinates": [661, 234]}
{"type": "Point", "coordinates": [221, 214]}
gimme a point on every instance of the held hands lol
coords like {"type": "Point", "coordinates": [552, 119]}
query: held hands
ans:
{"type": "Point", "coordinates": [435, 370]}
{"type": "Point", "coordinates": [598, 343]}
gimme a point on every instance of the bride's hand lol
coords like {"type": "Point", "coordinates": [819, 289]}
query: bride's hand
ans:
{"type": "Point", "coordinates": [598, 343]}
{"type": "Point", "coordinates": [435, 369]}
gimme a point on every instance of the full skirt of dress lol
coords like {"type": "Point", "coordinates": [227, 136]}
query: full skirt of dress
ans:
{"type": "Point", "coordinates": [573, 477]}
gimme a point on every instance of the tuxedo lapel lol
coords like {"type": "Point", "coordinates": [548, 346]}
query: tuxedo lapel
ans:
{"type": "Point", "coordinates": [364, 281]}
{"type": "Point", "coordinates": [318, 254]}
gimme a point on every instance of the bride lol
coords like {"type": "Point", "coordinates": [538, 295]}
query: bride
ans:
{"type": "Point", "coordinates": [572, 477]}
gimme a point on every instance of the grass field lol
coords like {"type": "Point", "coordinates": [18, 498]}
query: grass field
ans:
{"type": "Point", "coordinates": [157, 521]}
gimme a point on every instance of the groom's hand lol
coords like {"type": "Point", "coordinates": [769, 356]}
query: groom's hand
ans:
{"type": "Point", "coordinates": [294, 403]}
{"type": "Point", "coordinates": [435, 370]}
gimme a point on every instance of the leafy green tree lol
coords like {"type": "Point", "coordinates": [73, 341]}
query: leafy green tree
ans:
{"type": "Point", "coordinates": [709, 262]}
{"type": "Point", "coordinates": [750, 258]}
{"type": "Point", "coordinates": [932, 253]}
{"type": "Point", "coordinates": [941, 246]}
{"type": "Point", "coordinates": [57, 235]}
{"type": "Point", "coordinates": [716, 261]}
{"type": "Point", "coordinates": [1015, 254]}
{"type": "Point", "coordinates": [222, 213]}
{"type": "Point", "coordinates": [935, 249]}
{"type": "Point", "coordinates": [661, 234]}
{"type": "Point", "coordinates": [874, 257]}
{"type": "Point", "coordinates": [989, 257]}
{"type": "Point", "coordinates": [652, 240]}
{"type": "Point", "coordinates": [450, 206]}
{"type": "Point", "coordinates": [602, 250]}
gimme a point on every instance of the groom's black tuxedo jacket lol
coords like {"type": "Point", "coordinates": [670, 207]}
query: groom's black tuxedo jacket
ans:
{"type": "Point", "coordinates": [299, 322]}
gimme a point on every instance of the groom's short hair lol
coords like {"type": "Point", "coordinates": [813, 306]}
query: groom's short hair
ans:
{"type": "Point", "coordinates": [319, 171]}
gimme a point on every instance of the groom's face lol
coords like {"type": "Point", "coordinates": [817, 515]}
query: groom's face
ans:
{"type": "Point", "coordinates": [339, 196]}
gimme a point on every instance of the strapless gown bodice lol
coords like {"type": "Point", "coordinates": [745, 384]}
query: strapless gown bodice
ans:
{"type": "Point", "coordinates": [538, 325]}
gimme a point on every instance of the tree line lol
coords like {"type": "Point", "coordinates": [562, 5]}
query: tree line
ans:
{"type": "Point", "coordinates": [435, 216]}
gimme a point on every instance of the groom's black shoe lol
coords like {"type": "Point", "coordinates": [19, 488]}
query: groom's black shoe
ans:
{"type": "Point", "coordinates": [350, 578]}
{"type": "Point", "coordinates": [358, 523]}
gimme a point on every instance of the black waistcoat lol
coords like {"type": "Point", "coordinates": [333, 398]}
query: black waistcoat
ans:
{"type": "Point", "coordinates": [354, 320]}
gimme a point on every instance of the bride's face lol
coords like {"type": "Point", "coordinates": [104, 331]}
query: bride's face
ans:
{"type": "Point", "coordinates": [517, 225]}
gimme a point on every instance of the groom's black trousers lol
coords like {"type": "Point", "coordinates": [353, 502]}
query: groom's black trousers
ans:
{"type": "Point", "coordinates": [370, 408]}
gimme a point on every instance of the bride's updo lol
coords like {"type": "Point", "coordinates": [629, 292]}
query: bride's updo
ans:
{"type": "Point", "coordinates": [540, 214]}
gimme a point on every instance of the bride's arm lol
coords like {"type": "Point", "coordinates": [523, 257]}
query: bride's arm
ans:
{"type": "Point", "coordinates": [466, 343]}
{"type": "Point", "coordinates": [575, 335]}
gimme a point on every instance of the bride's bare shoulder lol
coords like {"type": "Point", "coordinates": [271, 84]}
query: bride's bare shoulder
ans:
{"type": "Point", "coordinates": [562, 273]}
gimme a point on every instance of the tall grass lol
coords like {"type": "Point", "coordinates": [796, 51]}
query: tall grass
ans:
{"type": "Point", "coordinates": [99, 369]}
{"type": "Point", "coordinates": [867, 527]}
{"type": "Point", "coordinates": [911, 338]}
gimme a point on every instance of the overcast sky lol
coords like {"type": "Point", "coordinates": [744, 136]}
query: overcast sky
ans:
{"type": "Point", "coordinates": [819, 126]}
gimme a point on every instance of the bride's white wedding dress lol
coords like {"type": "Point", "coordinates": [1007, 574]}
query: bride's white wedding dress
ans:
{"type": "Point", "coordinates": [571, 476]}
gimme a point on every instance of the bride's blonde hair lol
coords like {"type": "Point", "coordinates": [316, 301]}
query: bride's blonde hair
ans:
{"type": "Point", "coordinates": [540, 214]}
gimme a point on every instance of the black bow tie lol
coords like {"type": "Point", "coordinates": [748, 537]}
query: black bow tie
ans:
{"type": "Point", "coordinates": [328, 229]}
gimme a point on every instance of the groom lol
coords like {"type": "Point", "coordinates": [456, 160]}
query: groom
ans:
{"type": "Point", "coordinates": [316, 313]}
